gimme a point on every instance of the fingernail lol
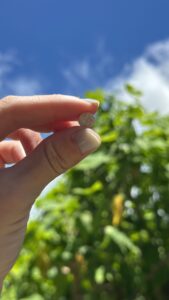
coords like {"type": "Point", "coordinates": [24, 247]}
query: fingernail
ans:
{"type": "Point", "coordinates": [92, 101]}
{"type": "Point", "coordinates": [87, 140]}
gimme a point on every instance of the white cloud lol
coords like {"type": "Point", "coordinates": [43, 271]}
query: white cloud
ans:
{"type": "Point", "coordinates": [24, 86]}
{"type": "Point", "coordinates": [10, 83]}
{"type": "Point", "coordinates": [150, 74]}
{"type": "Point", "coordinates": [89, 72]}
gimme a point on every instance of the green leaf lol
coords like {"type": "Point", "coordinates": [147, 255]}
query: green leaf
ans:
{"type": "Point", "coordinates": [33, 297]}
{"type": "Point", "coordinates": [132, 90]}
{"type": "Point", "coordinates": [96, 187]}
{"type": "Point", "coordinates": [110, 137]}
{"type": "Point", "coordinates": [93, 161]}
{"type": "Point", "coordinates": [100, 275]}
{"type": "Point", "coordinates": [121, 240]}
{"type": "Point", "coordinates": [97, 95]}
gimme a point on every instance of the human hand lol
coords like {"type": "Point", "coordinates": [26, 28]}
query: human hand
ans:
{"type": "Point", "coordinates": [36, 161]}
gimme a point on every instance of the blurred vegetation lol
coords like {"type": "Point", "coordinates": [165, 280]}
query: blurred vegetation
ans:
{"type": "Point", "coordinates": [103, 231]}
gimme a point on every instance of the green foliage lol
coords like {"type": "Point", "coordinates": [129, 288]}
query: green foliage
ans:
{"type": "Point", "coordinates": [102, 233]}
{"type": "Point", "coordinates": [132, 90]}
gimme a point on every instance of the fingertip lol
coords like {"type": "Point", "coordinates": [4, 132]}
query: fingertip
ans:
{"type": "Point", "coordinates": [93, 102]}
{"type": "Point", "coordinates": [17, 152]}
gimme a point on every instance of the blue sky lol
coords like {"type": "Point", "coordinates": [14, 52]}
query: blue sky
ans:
{"type": "Point", "coordinates": [50, 46]}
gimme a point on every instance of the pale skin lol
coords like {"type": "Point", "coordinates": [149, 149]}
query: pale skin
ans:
{"type": "Point", "coordinates": [36, 161]}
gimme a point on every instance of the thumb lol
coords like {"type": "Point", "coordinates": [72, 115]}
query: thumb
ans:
{"type": "Point", "coordinates": [52, 157]}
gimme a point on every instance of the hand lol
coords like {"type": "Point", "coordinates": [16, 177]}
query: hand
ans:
{"type": "Point", "coordinates": [36, 161]}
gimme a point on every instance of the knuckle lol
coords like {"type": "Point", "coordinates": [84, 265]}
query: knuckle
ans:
{"type": "Point", "coordinates": [55, 158]}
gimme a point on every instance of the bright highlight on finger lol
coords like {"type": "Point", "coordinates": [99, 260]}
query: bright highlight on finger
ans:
{"type": "Point", "coordinates": [11, 152]}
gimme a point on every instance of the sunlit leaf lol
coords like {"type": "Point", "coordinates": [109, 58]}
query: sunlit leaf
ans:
{"type": "Point", "coordinates": [121, 240]}
{"type": "Point", "coordinates": [93, 161]}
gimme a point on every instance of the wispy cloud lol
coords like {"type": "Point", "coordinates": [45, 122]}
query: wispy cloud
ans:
{"type": "Point", "coordinates": [150, 74]}
{"type": "Point", "coordinates": [25, 86]}
{"type": "Point", "coordinates": [89, 72]}
{"type": "Point", "coordinates": [19, 84]}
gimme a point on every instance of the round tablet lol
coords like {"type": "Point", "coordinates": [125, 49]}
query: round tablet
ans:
{"type": "Point", "coordinates": [87, 120]}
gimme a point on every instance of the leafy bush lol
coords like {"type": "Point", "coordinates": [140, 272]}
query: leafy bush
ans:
{"type": "Point", "coordinates": [103, 231]}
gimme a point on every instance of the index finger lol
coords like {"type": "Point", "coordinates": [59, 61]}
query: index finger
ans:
{"type": "Point", "coordinates": [37, 112]}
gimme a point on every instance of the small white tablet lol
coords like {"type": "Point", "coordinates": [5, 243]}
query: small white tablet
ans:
{"type": "Point", "coordinates": [87, 120]}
